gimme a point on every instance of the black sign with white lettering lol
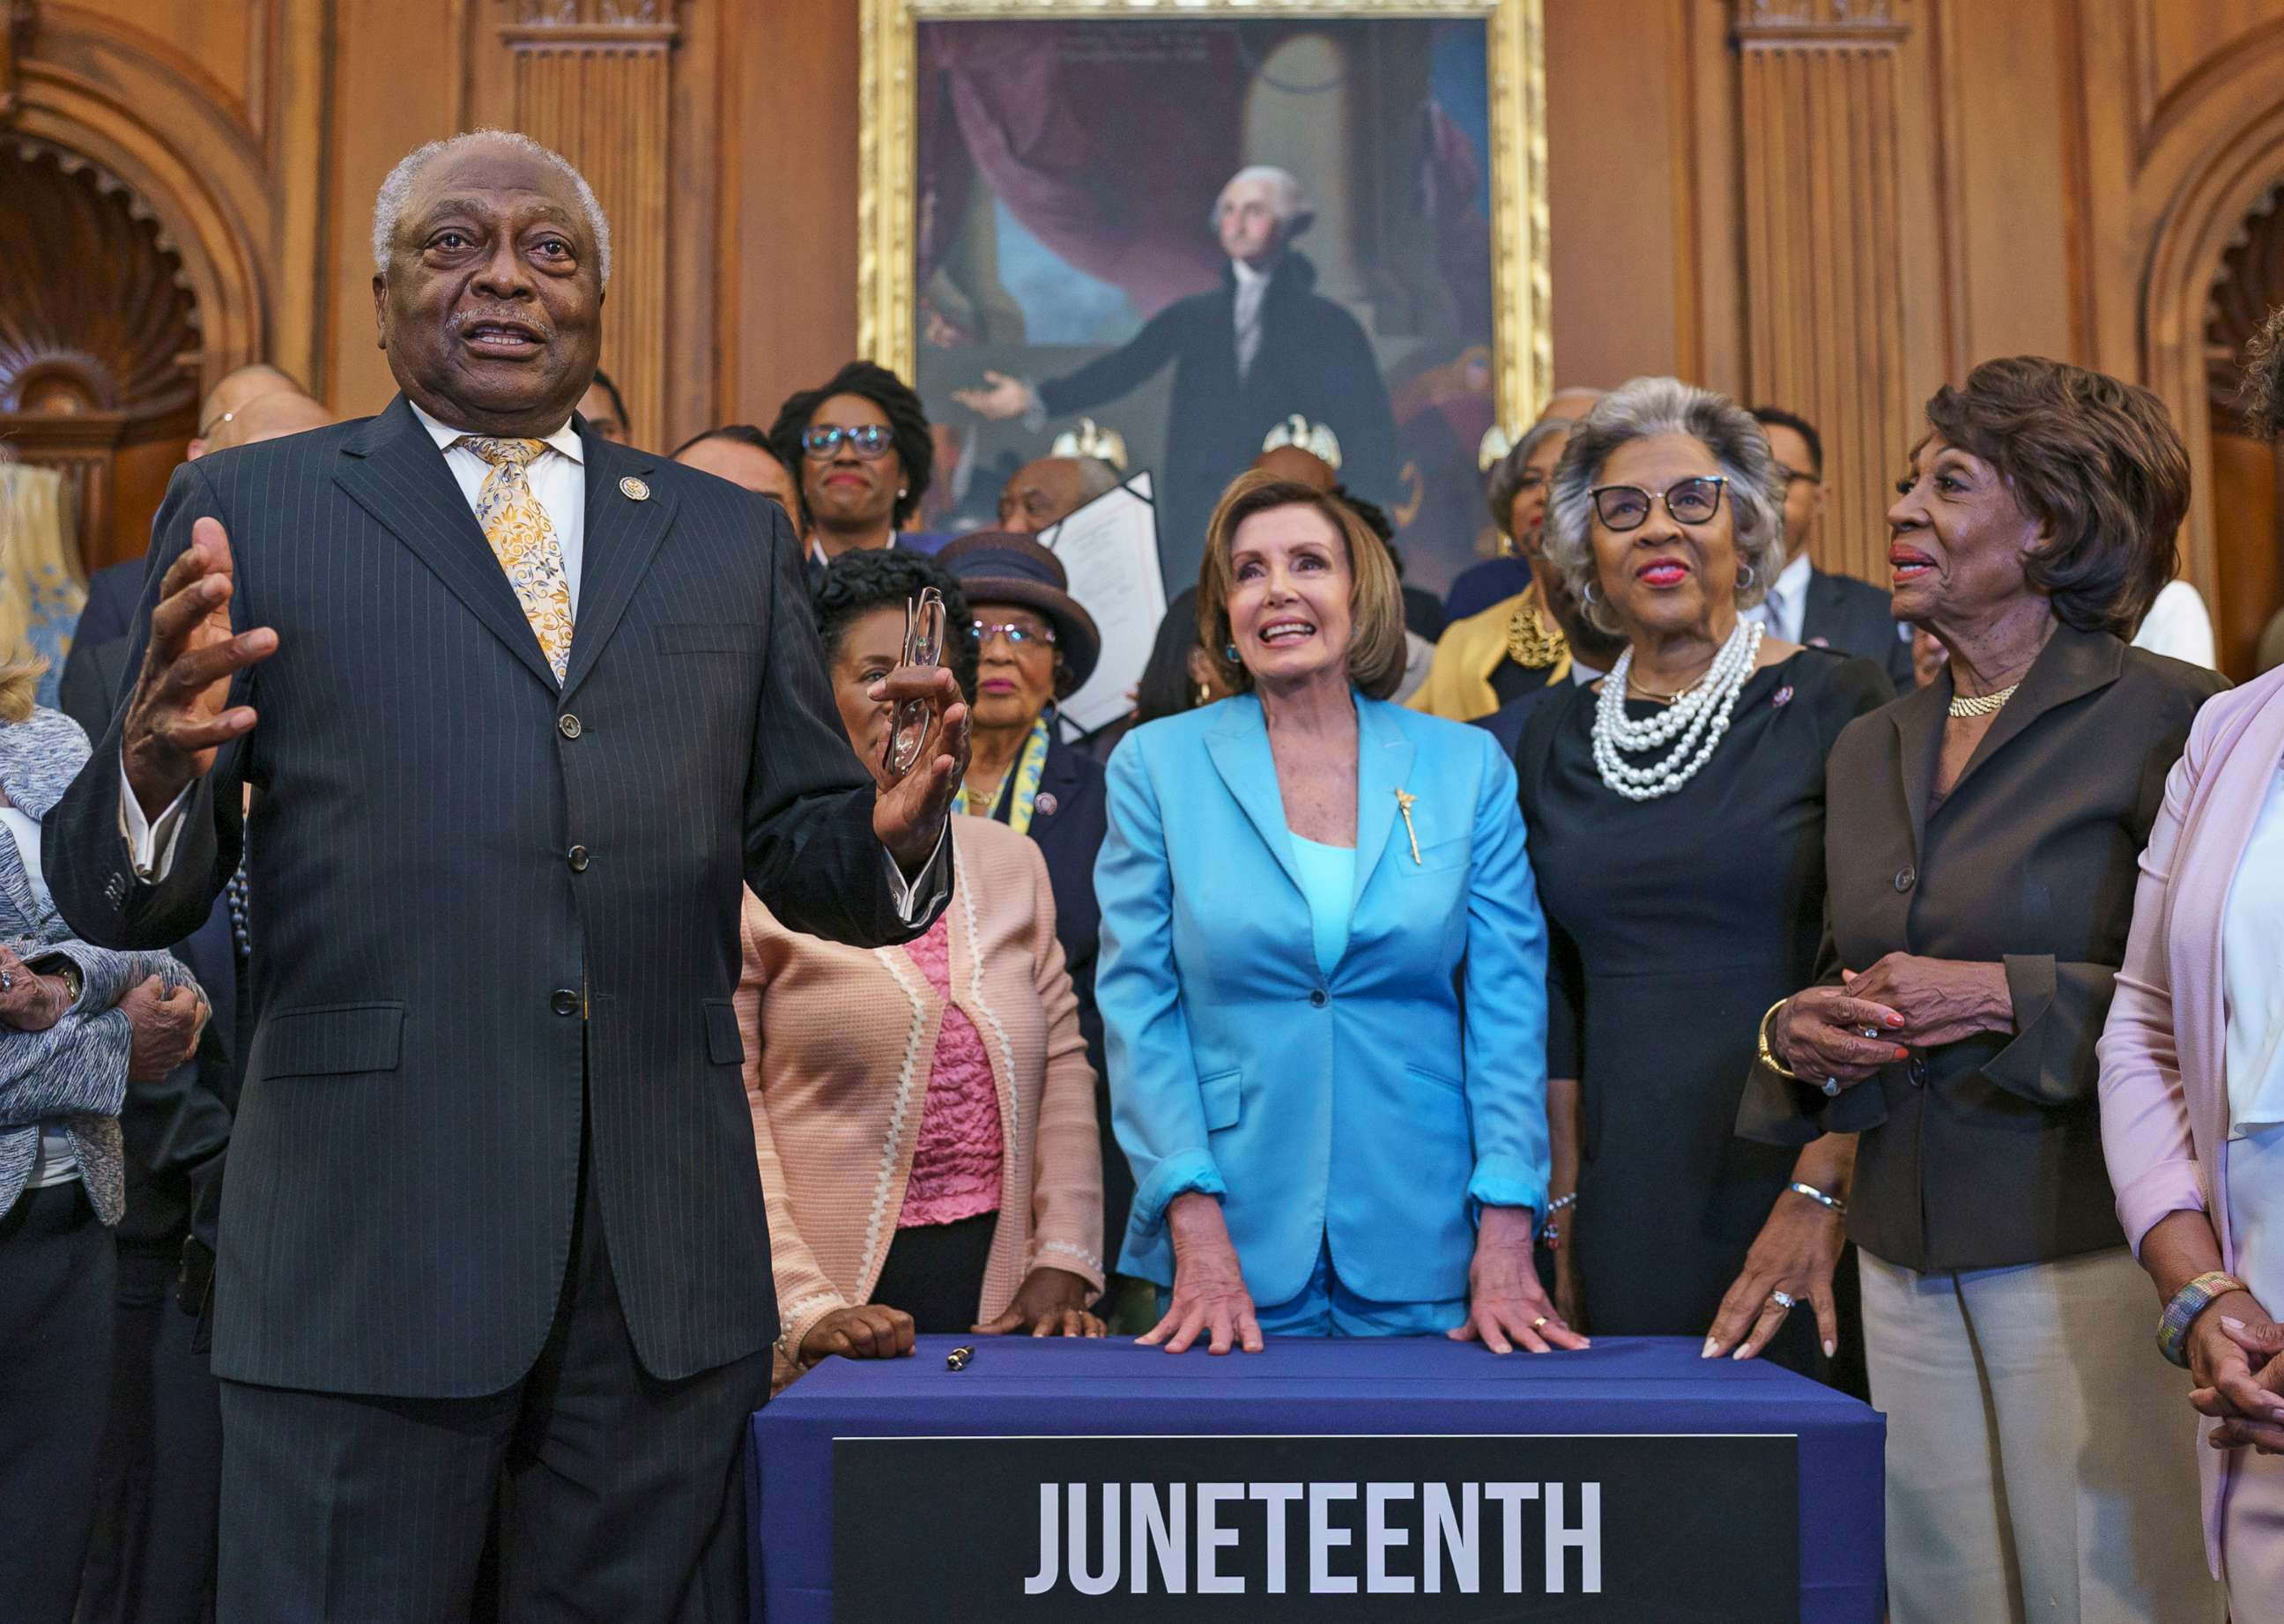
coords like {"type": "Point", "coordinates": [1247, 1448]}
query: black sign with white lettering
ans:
{"type": "Point", "coordinates": [1633, 1529]}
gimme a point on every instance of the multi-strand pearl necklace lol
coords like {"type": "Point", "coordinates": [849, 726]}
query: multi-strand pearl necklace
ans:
{"type": "Point", "coordinates": [1696, 719]}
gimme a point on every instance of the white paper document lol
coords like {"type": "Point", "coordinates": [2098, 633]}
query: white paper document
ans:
{"type": "Point", "coordinates": [1109, 550]}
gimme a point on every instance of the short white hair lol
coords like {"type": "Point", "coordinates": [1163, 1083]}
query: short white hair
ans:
{"type": "Point", "coordinates": [1640, 410]}
{"type": "Point", "coordinates": [1286, 196]}
{"type": "Point", "coordinates": [388, 206]}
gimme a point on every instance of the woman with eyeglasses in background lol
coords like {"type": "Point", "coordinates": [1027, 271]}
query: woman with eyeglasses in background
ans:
{"type": "Point", "coordinates": [860, 444]}
{"type": "Point", "coordinates": [1521, 643]}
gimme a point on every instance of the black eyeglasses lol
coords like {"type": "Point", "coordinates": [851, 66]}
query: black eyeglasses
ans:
{"type": "Point", "coordinates": [868, 441]}
{"type": "Point", "coordinates": [1017, 636]}
{"type": "Point", "coordinates": [1627, 507]}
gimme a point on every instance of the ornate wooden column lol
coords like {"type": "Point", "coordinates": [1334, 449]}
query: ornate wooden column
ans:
{"type": "Point", "coordinates": [593, 80]}
{"type": "Point", "coordinates": [1817, 104]}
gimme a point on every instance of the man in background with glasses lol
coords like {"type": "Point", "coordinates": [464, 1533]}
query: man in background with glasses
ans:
{"type": "Point", "coordinates": [1806, 605]}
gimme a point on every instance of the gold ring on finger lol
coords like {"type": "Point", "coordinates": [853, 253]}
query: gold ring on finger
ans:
{"type": "Point", "coordinates": [1536, 1323]}
{"type": "Point", "coordinates": [1784, 1301]}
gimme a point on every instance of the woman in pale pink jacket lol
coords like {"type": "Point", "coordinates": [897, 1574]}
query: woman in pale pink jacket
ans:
{"type": "Point", "coordinates": [2193, 1116]}
{"type": "Point", "coordinates": [924, 1115]}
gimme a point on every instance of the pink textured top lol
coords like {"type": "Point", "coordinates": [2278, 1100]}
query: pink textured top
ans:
{"type": "Point", "coordinates": [957, 1163]}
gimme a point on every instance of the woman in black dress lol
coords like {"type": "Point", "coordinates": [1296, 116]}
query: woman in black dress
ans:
{"type": "Point", "coordinates": [1675, 817]}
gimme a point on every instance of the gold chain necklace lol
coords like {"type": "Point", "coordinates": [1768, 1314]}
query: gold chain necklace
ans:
{"type": "Point", "coordinates": [1530, 642]}
{"type": "Point", "coordinates": [1984, 704]}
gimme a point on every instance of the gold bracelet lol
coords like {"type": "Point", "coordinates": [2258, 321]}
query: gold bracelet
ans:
{"type": "Point", "coordinates": [1769, 1056]}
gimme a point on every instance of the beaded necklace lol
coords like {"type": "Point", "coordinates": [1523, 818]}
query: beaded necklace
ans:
{"type": "Point", "coordinates": [1693, 723]}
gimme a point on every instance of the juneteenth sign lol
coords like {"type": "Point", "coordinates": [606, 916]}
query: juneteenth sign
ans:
{"type": "Point", "coordinates": [1642, 1529]}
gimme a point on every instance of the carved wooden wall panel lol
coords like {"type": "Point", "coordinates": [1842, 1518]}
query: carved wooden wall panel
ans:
{"type": "Point", "coordinates": [593, 80]}
{"type": "Point", "coordinates": [1822, 213]}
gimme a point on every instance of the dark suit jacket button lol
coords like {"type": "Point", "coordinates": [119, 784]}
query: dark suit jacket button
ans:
{"type": "Point", "coordinates": [565, 1002]}
{"type": "Point", "coordinates": [1319, 998]}
{"type": "Point", "coordinates": [578, 860]}
{"type": "Point", "coordinates": [568, 725]}
{"type": "Point", "coordinates": [1918, 1070]}
{"type": "Point", "coordinates": [1906, 879]}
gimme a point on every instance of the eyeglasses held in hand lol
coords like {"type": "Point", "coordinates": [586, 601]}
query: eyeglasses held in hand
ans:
{"type": "Point", "coordinates": [924, 627]}
{"type": "Point", "coordinates": [868, 441]}
{"type": "Point", "coordinates": [1627, 507]}
{"type": "Point", "coordinates": [1017, 636]}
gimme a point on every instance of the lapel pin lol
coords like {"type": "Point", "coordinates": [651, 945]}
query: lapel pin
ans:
{"type": "Point", "coordinates": [633, 489]}
{"type": "Point", "coordinates": [1046, 805]}
{"type": "Point", "coordinates": [1404, 802]}
{"type": "Point", "coordinates": [1783, 696]}
{"type": "Point", "coordinates": [1820, 643]}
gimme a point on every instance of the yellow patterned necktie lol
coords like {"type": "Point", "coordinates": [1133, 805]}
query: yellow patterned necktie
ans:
{"type": "Point", "coordinates": [524, 542]}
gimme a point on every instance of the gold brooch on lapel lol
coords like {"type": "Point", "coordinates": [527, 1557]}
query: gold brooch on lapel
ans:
{"type": "Point", "coordinates": [1404, 802]}
{"type": "Point", "coordinates": [633, 489]}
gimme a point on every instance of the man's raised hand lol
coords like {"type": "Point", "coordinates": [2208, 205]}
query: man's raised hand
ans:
{"type": "Point", "coordinates": [179, 715]}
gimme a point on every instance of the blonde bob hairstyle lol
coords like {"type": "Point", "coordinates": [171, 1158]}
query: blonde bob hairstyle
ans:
{"type": "Point", "coordinates": [1642, 410]}
{"type": "Point", "coordinates": [1376, 648]}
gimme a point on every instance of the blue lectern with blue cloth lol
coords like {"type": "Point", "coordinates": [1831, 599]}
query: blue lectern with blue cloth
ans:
{"type": "Point", "coordinates": [1417, 1479]}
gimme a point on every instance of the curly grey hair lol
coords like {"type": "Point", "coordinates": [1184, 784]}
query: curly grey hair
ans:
{"type": "Point", "coordinates": [388, 206]}
{"type": "Point", "coordinates": [1636, 411]}
{"type": "Point", "coordinates": [1505, 481]}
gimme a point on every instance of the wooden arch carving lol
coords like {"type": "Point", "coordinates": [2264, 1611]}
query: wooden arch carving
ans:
{"type": "Point", "coordinates": [2248, 286]}
{"type": "Point", "coordinates": [99, 331]}
{"type": "Point", "coordinates": [206, 173]}
{"type": "Point", "coordinates": [2210, 171]}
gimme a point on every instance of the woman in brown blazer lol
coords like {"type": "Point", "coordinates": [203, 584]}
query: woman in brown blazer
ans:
{"type": "Point", "coordinates": [1980, 838]}
{"type": "Point", "coordinates": [924, 1115]}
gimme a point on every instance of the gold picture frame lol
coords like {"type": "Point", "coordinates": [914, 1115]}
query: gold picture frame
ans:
{"type": "Point", "coordinates": [888, 162]}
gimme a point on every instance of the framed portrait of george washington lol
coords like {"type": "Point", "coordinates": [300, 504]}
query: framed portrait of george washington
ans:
{"type": "Point", "coordinates": [1182, 230]}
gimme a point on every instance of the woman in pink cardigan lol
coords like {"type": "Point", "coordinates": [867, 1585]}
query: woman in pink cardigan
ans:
{"type": "Point", "coordinates": [2193, 1100]}
{"type": "Point", "coordinates": [923, 1115]}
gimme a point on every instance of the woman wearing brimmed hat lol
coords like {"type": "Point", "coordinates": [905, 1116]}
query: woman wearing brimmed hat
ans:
{"type": "Point", "coordinates": [1037, 644]}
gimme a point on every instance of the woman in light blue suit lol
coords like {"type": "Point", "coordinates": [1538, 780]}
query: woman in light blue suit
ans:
{"type": "Point", "coordinates": [1301, 886]}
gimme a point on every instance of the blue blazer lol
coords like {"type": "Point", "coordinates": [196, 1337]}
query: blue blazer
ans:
{"type": "Point", "coordinates": [1358, 1108]}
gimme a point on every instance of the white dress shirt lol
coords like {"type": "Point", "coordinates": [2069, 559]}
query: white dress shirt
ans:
{"type": "Point", "coordinates": [2178, 625]}
{"type": "Point", "coordinates": [2252, 956]}
{"type": "Point", "coordinates": [1785, 608]}
{"type": "Point", "coordinates": [558, 477]}
{"type": "Point", "coordinates": [1251, 288]}
{"type": "Point", "coordinates": [2252, 965]}
{"type": "Point", "coordinates": [559, 483]}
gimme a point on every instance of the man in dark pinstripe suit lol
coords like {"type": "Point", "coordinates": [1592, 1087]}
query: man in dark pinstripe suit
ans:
{"type": "Point", "coordinates": [524, 709]}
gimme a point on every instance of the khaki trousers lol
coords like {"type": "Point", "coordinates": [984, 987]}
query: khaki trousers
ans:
{"type": "Point", "coordinates": [2041, 1461]}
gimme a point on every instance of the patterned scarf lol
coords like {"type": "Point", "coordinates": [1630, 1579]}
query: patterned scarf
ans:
{"type": "Point", "coordinates": [1024, 779]}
